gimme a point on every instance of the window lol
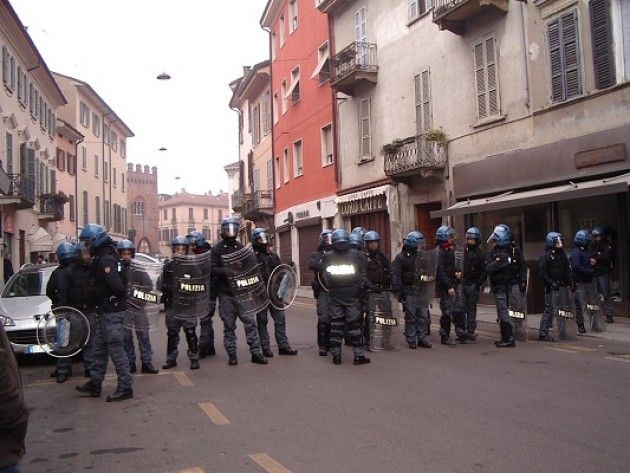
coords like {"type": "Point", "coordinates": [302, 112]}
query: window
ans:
{"type": "Point", "coordinates": [564, 56]}
{"type": "Point", "coordinates": [165, 234]}
{"type": "Point", "coordinates": [86, 215]}
{"type": "Point", "coordinates": [106, 171]}
{"type": "Point", "coordinates": [365, 137]}
{"type": "Point", "coordinates": [173, 233]}
{"type": "Point", "coordinates": [327, 145]}
{"type": "Point", "coordinates": [106, 134]}
{"type": "Point", "coordinates": [601, 31]}
{"type": "Point", "coordinates": [173, 214]}
{"type": "Point", "coordinates": [41, 111]}
{"type": "Point", "coordinates": [138, 207]}
{"type": "Point", "coordinates": [266, 113]}
{"type": "Point", "coordinates": [360, 25]}
{"type": "Point", "coordinates": [165, 214]}
{"type": "Point", "coordinates": [72, 207]}
{"type": "Point", "coordinates": [256, 125]}
{"type": "Point", "coordinates": [9, 152]}
{"type": "Point", "coordinates": [37, 104]}
{"type": "Point", "coordinates": [114, 141]}
{"type": "Point", "coordinates": [294, 91]}
{"type": "Point", "coordinates": [269, 175]}
{"type": "Point", "coordinates": [273, 45]}
{"type": "Point", "coordinates": [283, 92]}
{"type": "Point", "coordinates": [84, 158]}
{"type": "Point", "coordinates": [96, 124]}
{"type": "Point", "coordinates": [276, 171]}
{"type": "Point", "coordinates": [191, 214]}
{"type": "Point", "coordinates": [123, 148]}
{"type": "Point", "coordinates": [71, 164]}
{"type": "Point", "coordinates": [205, 214]}
{"type": "Point", "coordinates": [424, 117]}
{"type": "Point", "coordinates": [275, 108]}
{"type": "Point", "coordinates": [97, 201]}
{"type": "Point", "coordinates": [285, 165]}
{"type": "Point", "coordinates": [21, 91]}
{"type": "Point", "coordinates": [256, 180]}
{"type": "Point", "coordinates": [106, 219]}
{"type": "Point", "coordinates": [220, 216]}
{"type": "Point", "coordinates": [96, 165]}
{"type": "Point", "coordinates": [31, 94]}
{"type": "Point", "coordinates": [114, 177]}
{"type": "Point", "coordinates": [6, 64]}
{"type": "Point", "coordinates": [487, 79]}
{"type": "Point", "coordinates": [205, 231]}
{"type": "Point", "coordinates": [84, 114]}
{"type": "Point", "coordinates": [322, 70]}
{"type": "Point", "coordinates": [122, 181]}
{"type": "Point", "coordinates": [419, 7]}
{"type": "Point", "coordinates": [293, 15]}
{"type": "Point", "coordinates": [281, 30]}
{"type": "Point", "coordinates": [61, 160]}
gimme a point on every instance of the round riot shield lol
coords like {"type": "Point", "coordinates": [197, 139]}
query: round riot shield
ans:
{"type": "Point", "coordinates": [143, 296]}
{"type": "Point", "coordinates": [282, 287]}
{"type": "Point", "coordinates": [63, 332]}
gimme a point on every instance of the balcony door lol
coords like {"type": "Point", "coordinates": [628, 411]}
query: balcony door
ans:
{"type": "Point", "coordinates": [361, 35]}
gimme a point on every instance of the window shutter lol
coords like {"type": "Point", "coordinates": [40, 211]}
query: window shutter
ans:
{"type": "Point", "coordinates": [603, 59]}
{"type": "Point", "coordinates": [555, 55]}
{"type": "Point", "coordinates": [366, 140]}
{"type": "Point", "coordinates": [413, 9]}
{"type": "Point", "coordinates": [480, 78]}
{"type": "Point", "coordinates": [571, 55]}
{"type": "Point", "coordinates": [492, 79]}
{"type": "Point", "coordinates": [418, 90]}
{"type": "Point", "coordinates": [427, 119]}
{"type": "Point", "coordinates": [5, 64]}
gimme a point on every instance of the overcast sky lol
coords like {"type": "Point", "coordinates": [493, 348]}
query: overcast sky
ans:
{"type": "Point", "coordinates": [120, 46]}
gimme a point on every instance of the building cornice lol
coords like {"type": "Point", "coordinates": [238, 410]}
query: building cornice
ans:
{"type": "Point", "coordinates": [270, 13]}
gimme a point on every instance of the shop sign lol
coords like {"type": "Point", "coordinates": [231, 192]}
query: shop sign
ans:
{"type": "Point", "coordinates": [302, 214]}
{"type": "Point", "coordinates": [368, 205]}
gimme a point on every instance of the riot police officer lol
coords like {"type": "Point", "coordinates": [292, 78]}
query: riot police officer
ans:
{"type": "Point", "coordinates": [601, 252]}
{"type": "Point", "coordinates": [555, 271]}
{"type": "Point", "coordinates": [111, 300]}
{"type": "Point", "coordinates": [57, 291]}
{"type": "Point", "coordinates": [582, 269]}
{"type": "Point", "coordinates": [474, 277]}
{"type": "Point", "coordinates": [126, 252]}
{"type": "Point", "coordinates": [199, 245]}
{"type": "Point", "coordinates": [405, 280]}
{"type": "Point", "coordinates": [378, 272]}
{"type": "Point", "coordinates": [228, 305]}
{"type": "Point", "coordinates": [174, 321]}
{"type": "Point", "coordinates": [320, 293]}
{"type": "Point", "coordinates": [345, 276]}
{"type": "Point", "coordinates": [268, 261]}
{"type": "Point", "coordinates": [506, 268]}
{"type": "Point", "coordinates": [356, 241]}
{"type": "Point", "coordinates": [448, 281]}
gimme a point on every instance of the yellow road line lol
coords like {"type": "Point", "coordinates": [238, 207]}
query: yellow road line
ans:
{"type": "Point", "coordinates": [215, 414]}
{"type": "Point", "coordinates": [267, 463]}
{"type": "Point", "coordinates": [618, 358]}
{"type": "Point", "coordinates": [570, 346]}
{"type": "Point", "coordinates": [192, 470]}
{"type": "Point", "coordinates": [182, 378]}
{"type": "Point", "coordinates": [564, 350]}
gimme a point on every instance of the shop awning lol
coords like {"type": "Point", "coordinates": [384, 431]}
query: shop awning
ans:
{"type": "Point", "coordinates": [57, 239]}
{"type": "Point", "coordinates": [40, 241]}
{"type": "Point", "coordinates": [365, 194]}
{"type": "Point", "coordinates": [569, 191]}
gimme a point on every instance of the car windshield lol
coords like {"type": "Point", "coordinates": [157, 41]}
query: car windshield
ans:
{"type": "Point", "coordinates": [27, 284]}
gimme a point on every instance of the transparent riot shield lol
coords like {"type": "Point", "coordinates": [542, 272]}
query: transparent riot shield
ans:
{"type": "Point", "coordinates": [246, 280]}
{"type": "Point", "coordinates": [191, 281]}
{"type": "Point", "coordinates": [282, 287]}
{"type": "Point", "coordinates": [383, 321]}
{"type": "Point", "coordinates": [144, 294]}
{"type": "Point", "coordinates": [564, 325]}
{"type": "Point", "coordinates": [517, 308]}
{"type": "Point", "coordinates": [591, 306]}
{"type": "Point", "coordinates": [426, 265]}
{"type": "Point", "coordinates": [61, 333]}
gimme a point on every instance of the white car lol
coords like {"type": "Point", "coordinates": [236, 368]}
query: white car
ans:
{"type": "Point", "coordinates": [22, 301]}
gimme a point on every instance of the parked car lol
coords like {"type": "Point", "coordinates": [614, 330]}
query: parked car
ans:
{"type": "Point", "coordinates": [22, 300]}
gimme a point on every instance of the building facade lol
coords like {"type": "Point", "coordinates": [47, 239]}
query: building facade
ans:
{"type": "Point", "coordinates": [143, 209]}
{"type": "Point", "coordinates": [305, 181]}
{"type": "Point", "coordinates": [252, 199]}
{"type": "Point", "coordinates": [102, 159]}
{"type": "Point", "coordinates": [182, 213]}
{"type": "Point", "coordinates": [510, 111]}
{"type": "Point", "coordinates": [29, 99]}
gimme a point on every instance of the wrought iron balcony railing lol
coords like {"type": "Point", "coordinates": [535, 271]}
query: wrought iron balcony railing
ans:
{"type": "Point", "coordinates": [51, 208]}
{"type": "Point", "coordinates": [20, 188]}
{"type": "Point", "coordinates": [452, 14]}
{"type": "Point", "coordinates": [354, 64]}
{"type": "Point", "coordinates": [259, 202]}
{"type": "Point", "coordinates": [416, 156]}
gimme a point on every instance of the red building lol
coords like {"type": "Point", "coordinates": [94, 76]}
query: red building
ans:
{"type": "Point", "coordinates": [303, 147]}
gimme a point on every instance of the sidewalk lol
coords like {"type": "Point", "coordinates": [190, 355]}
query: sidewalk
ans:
{"type": "Point", "coordinates": [619, 331]}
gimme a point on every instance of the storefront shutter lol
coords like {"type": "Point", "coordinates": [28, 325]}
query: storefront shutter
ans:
{"type": "Point", "coordinates": [309, 241]}
{"type": "Point", "coordinates": [603, 58]}
{"type": "Point", "coordinates": [285, 246]}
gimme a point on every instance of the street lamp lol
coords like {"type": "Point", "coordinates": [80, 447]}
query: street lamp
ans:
{"type": "Point", "coordinates": [163, 76]}
{"type": "Point", "coordinates": [162, 149]}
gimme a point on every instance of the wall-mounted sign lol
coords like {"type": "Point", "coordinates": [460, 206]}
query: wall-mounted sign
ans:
{"type": "Point", "coordinates": [362, 206]}
{"type": "Point", "coordinates": [302, 214]}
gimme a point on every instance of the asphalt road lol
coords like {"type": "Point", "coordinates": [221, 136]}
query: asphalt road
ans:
{"type": "Point", "coordinates": [560, 407]}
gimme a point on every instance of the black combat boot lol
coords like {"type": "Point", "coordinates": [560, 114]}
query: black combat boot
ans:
{"type": "Point", "coordinates": [336, 359]}
{"type": "Point", "coordinates": [232, 360]}
{"type": "Point", "coordinates": [194, 364]}
{"type": "Point", "coordinates": [361, 360]}
{"type": "Point", "coordinates": [193, 348]}
{"type": "Point", "coordinates": [149, 368]}
{"type": "Point", "coordinates": [267, 352]}
{"type": "Point", "coordinates": [62, 377]}
{"type": "Point", "coordinates": [507, 336]}
{"type": "Point", "coordinates": [90, 388]}
{"type": "Point", "coordinates": [287, 351]}
{"type": "Point", "coordinates": [609, 319]}
{"type": "Point", "coordinates": [413, 345]}
{"type": "Point", "coordinates": [204, 352]}
{"type": "Point", "coordinates": [447, 340]}
{"type": "Point", "coordinates": [323, 338]}
{"type": "Point", "coordinates": [120, 395]}
{"type": "Point", "coordinates": [424, 342]}
{"type": "Point", "coordinates": [86, 373]}
{"type": "Point", "coordinates": [581, 328]}
{"type": "Point", "coordinates": [169, 364]}
{"type": "Point", "coordinates": [259, 359]}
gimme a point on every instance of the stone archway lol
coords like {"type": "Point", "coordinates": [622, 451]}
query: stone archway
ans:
{"type": "Point", "coordinates": [144, 246]}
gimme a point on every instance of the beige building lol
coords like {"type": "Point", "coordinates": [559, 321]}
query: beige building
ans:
{"type": "Point", "coordinates": [501, 111]}
{"type": "Point", "coordinates": [252, 198]}
{"type": "Point", "coordinates": [183, 213]}
{"type": "Point", "coordinates": [29, 99]}
{"type": "Point", "coordinates": [102, 158]}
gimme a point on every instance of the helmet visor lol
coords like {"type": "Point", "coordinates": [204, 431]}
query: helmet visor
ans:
{"type": "Point", "coordinates": [230, 230]}
{"type": "Point", "coordinates": [262, 238]}
{"type": "Point", "coordinates": [327, 239]}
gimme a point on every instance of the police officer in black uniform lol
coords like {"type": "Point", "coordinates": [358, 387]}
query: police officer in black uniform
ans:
{"type": "Point", "coordinates": [474, 277]}
{"type": "Point", "coordinates": [57, 291]}
{"type": "Point", "coordinates": [378, 272]}
{"type": "Point", "coordinates": [320, 293]}
{"type": "Point", "coordinates": [344, 270]}
{"type": "Point", "coordinates": [111, 300]}
{"type": "Point", "coordinates": [228, 306]}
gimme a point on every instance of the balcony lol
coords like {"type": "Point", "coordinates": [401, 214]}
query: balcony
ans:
{"type": "Point", "coordinates": [451, 15]}
{"type": "Point", "coordinates": [260, 203]}
{"type": "Point", "coordinates": [239, 199]}
{"type": "Point", "coordinates": [18, 190]}
{"type": "Point", "coordinates": [416, 156]}
{"type": "Point", "coordinates": [51, 207]}
{"type": "Point", "coordinates": [354, 65]}
{"type": "Point", "coordinates": [330, 6]}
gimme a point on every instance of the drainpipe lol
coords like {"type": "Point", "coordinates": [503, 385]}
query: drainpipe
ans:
{"type": "Point", "coordinates": [335, 106]}
{"type": "Point", "coordinates": [76, 185]}
{"type": "Point", "coordinates": [272, 229]}
{"type": "Point", "coordinates": [525, 53]}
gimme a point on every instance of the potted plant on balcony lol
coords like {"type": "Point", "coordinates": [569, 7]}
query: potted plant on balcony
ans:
{"type": "Point", "coordinates": [392, 148]}
{"type": "Point", "coordinates": [437, 136]}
